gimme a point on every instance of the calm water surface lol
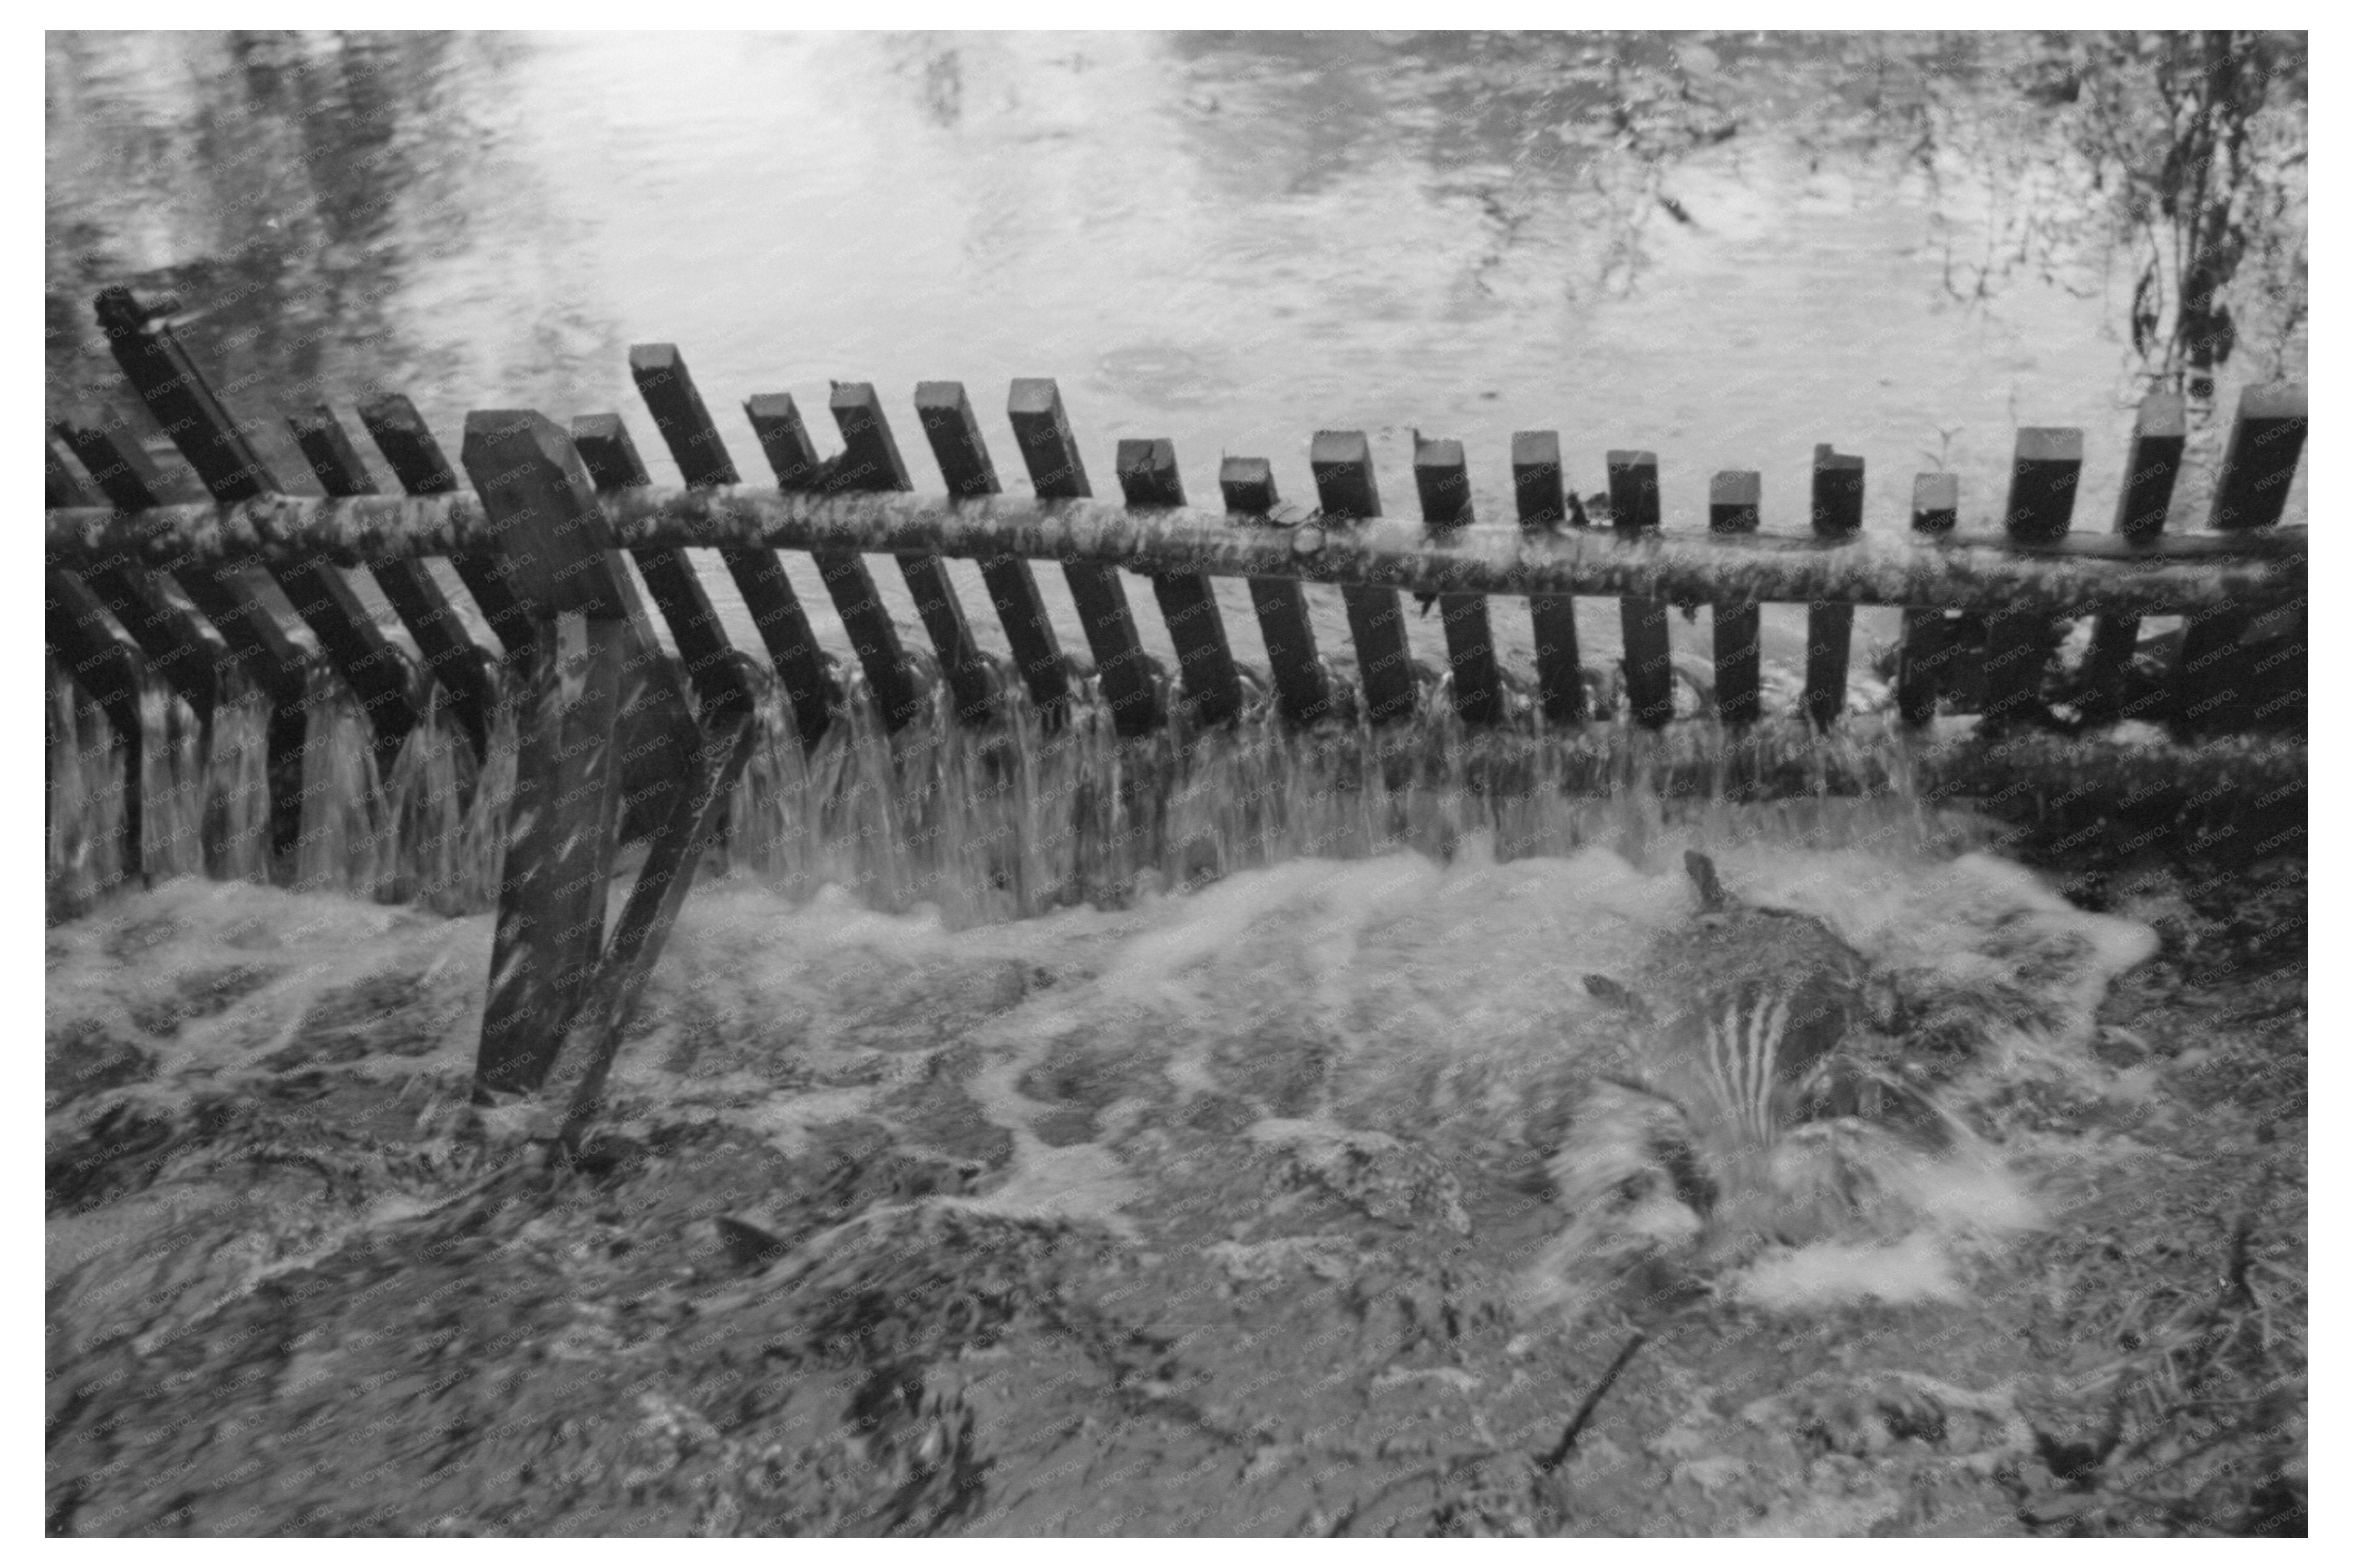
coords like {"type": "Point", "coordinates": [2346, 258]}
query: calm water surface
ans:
{"type": "Point", "coordinates": [1227, 242]}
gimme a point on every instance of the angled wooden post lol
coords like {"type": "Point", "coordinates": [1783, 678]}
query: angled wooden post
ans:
{"type": "Point", "coordinates": [258, 641]}
{"type": "Point", "coordinates": [1441, 479]}
{"type": "Point", "coordinates": [1342, 461]}
{"type": "Point", "coordinates": [2045, 467]}
{"type": "Point", "coordinates": [1829, 629]}
{"type": "Point", "coordinates": [949, 425]}
{"type": "Point", "coordinates": [703, 460]}
{"type": "Point", "coordinates": [183, 649]}
{"type": "Point", "coordinates": [1188, 605]}
{"type": "Point", "coordinates": [1537, 489]}
{"type": "Point", "coordinates": [175, 392]}
{"type": "Point", "coordinates": [1733, 501]}
{"type": "Point", "coordinates": [2152, 464]}
{"type": "Point", "coordinates": [1042, 430]}
{"type": "Point", "coordinates": [414, 457]}
{"type": "Point", "coordinates": [590, 655]}
{"type": "Point", "coordinates": [451, 656]}
{"type": "Point", "coordinates": [1649, 667]}
{"type": "Point", "coordinates": [707, 656]}
{"type": "Point", "coordinates": [791, 457]}
{"type": "Point", "coordinates": [1927, 645]}
{"type": "Point", "coordinates": [1247, 486]}
{"type": "Point", "coordinates": [869, 461]}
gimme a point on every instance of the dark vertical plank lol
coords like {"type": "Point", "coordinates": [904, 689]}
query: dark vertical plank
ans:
{"type": "Point", "coordinates": [1734, 502]}
{"type": "Point", "coordinates": [451, 656]}
{"type": "Point", "coordinates": [183, 649]}
{"type": "Point", "coordinates": [1441, 479]}
{"type": "Point", "coordinates": [2218, 681]}
{"type": "Point", "coordinates": [1935, 511]}
{"type": "Point", "coordinates": [414, 457]}
{"type": "Point", "coordinates": [1247, 486]}
{"type": "Point", "coordinates": [1344, 490]}
{"type": "Point", "coordinates": [703, 460]}
{"type": "Point", "coordinates": [612, 462]}
{"type": "Point", "coordinates": [1650, 671]}
{"type": "Point", "coordinates": [588, 661]}
{"type": "Point", "coordinates": [1537, 486]}
{"type": "Point", "coordinates": [105, 663]}
{"type": "Point", "coordinates": [1148, 476]}
{"type": "Point", "coordinates": [176, 393]}
{"type": "Point", "coordinates": [869, 461]}
{"type": "Point", "coordinates": [791, 457]}
{"type": "Point", "coordinates": [954, 436]}
{"type": "Point", "coordinates": [2044, 468]}
{"type": "Point", "coordinates": [2258, 467]}
{"type": "Point", "coordinates": [1829, 629]}
{"type": "Point", "coordinates": [2152, 466]}
{"type": "Point", "coordinates": [1042, 430]}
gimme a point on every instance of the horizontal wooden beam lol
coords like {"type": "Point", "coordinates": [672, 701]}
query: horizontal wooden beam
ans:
{"type": "Point", "coordinates": [2080, 575]}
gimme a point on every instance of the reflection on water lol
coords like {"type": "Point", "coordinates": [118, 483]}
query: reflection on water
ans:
{"type": "Point", "coordinates": [1226, 241]}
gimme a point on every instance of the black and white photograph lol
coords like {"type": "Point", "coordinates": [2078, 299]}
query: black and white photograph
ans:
{"type": "Point", "coordinates": [1060, 774]}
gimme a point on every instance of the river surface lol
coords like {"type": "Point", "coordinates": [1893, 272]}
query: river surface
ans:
{"type": "Point", "coordinates": [1227, 241]}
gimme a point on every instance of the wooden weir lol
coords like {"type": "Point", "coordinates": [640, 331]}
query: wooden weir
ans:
{"type": "Point", "coordinates": [535, 531]}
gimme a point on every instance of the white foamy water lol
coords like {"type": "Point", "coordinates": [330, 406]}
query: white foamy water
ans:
{"type": "Point", "coordinates": [1402, 1034]}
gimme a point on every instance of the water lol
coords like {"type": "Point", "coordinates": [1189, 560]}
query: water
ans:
{"type": "Point", "coordinates": [1233, 1088]}
{"type": "Point", "coordinates": [1227, 241]}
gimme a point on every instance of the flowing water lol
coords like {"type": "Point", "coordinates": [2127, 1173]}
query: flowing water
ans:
{"type": "Point", "coordinates": [1033, 1131]}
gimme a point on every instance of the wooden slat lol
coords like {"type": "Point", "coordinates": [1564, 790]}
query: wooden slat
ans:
{"type": "Point", "coordinates": [2219, 684]}
{"type": "Point", "coordinates": [1148, 477]}
{"type": "Point", "coordinates": [1441, 479]}
{"type": "Point", "coordinates": [1650, 670]}
{"type": "Point", "coordinates": [1342, 461]}
{"type": "Point", "coordinates": [2045, 467]}
{"type": "Point", "coordinates": [592, 1039]}
{"type": "Point", "coordinates": [1735, 499]}
{"type": "Point", "coordinates": [2258, 467]}
{"type": "Point", "coordinates": [953, 432]}
{"type": "Point", "coordinates": [679, 415]}
{"type": "Point", "coordinates": [704, 462]}
{"type": "Point", "coordinates": [791, 457]}
{"type": "Point", "coordinates": [613, 465]}
{"type": "Point", "coordinates": [1829, 629]}
{"type": "Point", "coordinates": [414, 457]}
{"type": "Point", "coordinates": [177, 395]}
{"type": "Point", "coordinates": [1247, 486]}
{"type": "Point", "coordinates": [1537, 486]}
{"type": "Point", "coordinates": [181, 648]}
{"type": "Point", "coordinates": [869, 461]}
{"type": "Point", "coordinates": [169, 382]}
{"type": "Point", "coordinates": [102, 661]}
{"type": "Point", "coordinates": [590, 660]}
{"type": "Point", "coordinates": [451, 655]}
{"type": "Point", "coordinates": [64, 486]}
{"type": "Point", "coordinates": [1927, 642]}
{"type": "Point", "coordinates": [2152, 466]}
{"type": "Point", "coordinates": [1042, 430]}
